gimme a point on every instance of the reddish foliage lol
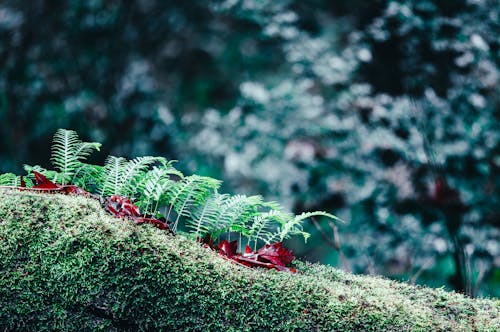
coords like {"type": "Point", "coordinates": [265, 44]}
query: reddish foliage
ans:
{"type": "Point", "coordinates": [41, 182]}
{"type": "Point", "coordinates": [118, 206]}
{"type": "Point", "coordinates": [270, 256]}
{"type": "Point", "coordinates": [228, 249]}
{"type": "Point", "coordinates": [276, 254]}
{"type": "Point", "coordinates": [44, 184]}
{"type": "Point", "coordinates": [122, 207]}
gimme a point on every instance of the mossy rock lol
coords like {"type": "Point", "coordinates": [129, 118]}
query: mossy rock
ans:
{"type": "Point", "coordinates": [65, 264]}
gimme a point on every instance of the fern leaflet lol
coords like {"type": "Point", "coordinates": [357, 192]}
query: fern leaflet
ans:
{"type": "Point", "coordinates": [190, 192]}
{"type": "Point", "coordinates": [294, 225]}
{"type": "Point", "coordinates": [68, 151]}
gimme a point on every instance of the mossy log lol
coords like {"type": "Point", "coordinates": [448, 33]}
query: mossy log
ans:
{"type": "Point", "coordinates": [65, 264]}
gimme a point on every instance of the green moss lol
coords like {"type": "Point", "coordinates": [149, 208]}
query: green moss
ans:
{"type": "Point", "coordinates": [66, 265]}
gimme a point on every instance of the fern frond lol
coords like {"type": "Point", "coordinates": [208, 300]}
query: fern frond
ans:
{"type": "Point", "coordinates": [88, 177]}
{"type": "Point", "coordinates": [10, 179]}
{"type": "Point", "coordinates": [85, 149]}
{"type": "Point", "coordinates": [131, 173]}
{"type": "Point", "coordinates": [223, 213]}
{"type": "Point", "coordinates": [188, 193]}
{"type": "Point", "coordinates": [68, 151]}
{"type": "Point", "coordinates": [264, 226]}
{"type": "Point", "coordinates": [237, 211]}
{"type": "Point", "coordinates": [171, 170]}
{"type": "Point", "coordinates": [294, 225]}
{"type": "Point", "coordinates": [153, 186]}
{"type": "Point", "coordinates": [204, 219]}
{"type": "Point", "coordinates": [111, 178]}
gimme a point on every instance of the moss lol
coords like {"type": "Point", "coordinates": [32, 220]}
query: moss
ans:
{"type": "Point", "coordinates": [67, 265]}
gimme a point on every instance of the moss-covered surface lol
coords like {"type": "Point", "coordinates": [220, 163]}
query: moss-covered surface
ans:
{"type": "Point", "coordinates": [66, 265]}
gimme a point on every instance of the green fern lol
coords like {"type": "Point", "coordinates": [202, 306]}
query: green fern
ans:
{"type": "Point", "coordinates": [264, 226]}
{"type": "Point", "coordinates": [154, 184]}
{"type": "Point", "coordinates": [132, 173]}
{"type": "Point", "coordinates": [111, 174]}
{"type": "Point", "coordinates": [224, 213]}
{"type": "Point", "coordinates": [10, 179]}
{"type": "Point", "coordinates": [122, 177]}
{"type": "Point", "coordinates": [68, 151]}
{"type": "Point", "coordinates": [188, 193]}
{"type": "Point", "coordinates": [205, 218]}
{"type": "Point", "coordinates": [237, 211]}
{"type": "Point", "coordinates": [294, 226]}
{"type": "Point", "coordinates": [88, 177]}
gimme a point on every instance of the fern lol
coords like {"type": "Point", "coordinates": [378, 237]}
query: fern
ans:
{"type": "Point", "coordinates": [293, 226]}
{"type": "Point", "coordinates": [189, 193]}
{"type": "Point", "coordinates": [223, 213]}
{"type": "Point", "coordinates": [10, 179]}
{"type": "Point", "coordinates": [112, 171]}
{"type": "Point", "coordinates": [153, 183]}
{"type": "Point", "coordinates": [205, 219]}
{"type": "Point", "coordinates": [68, 151]}
{"type": "Point", "coordinates": [132, 172]}
{"type": "Point", "coordinates": [264, 226]}
{"type": "Point", "coordinates": [122, 177]}
{"type": "Point", "coordinates": [237, 211]}
{"type": "Point", "coordinates": [88, 177]}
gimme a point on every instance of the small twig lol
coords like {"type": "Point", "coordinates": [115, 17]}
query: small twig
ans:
{"type": "Point", "coordinates": [413, 279]}
{"type": "Point", "coordinates": [468, 273]}
{"type": "Point", "coordinates": [336, 239]}
{"type": "Point", "coordinates": [323, 233]}
{"type": "Point", "coordinates": [334, 243]}
{"type": "Point", "coordinates": [479, 279]}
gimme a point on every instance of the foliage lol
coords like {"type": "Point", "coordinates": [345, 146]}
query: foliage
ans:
{"type": "Point", "coordinates": [194, 199]}
{"type": "Point", "coordinates": [67, 153]}
{"type": "Point", "coordinates": [121, 176]}
{"type": "Point", "coordinates": [10, 179]}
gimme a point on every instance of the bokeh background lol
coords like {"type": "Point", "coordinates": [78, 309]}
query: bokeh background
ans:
{"type": "Point", "coordinates": [385, 113]}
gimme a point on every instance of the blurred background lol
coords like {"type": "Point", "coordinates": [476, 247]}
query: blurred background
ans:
{"type": "Point", "coordinates": [385, 113]}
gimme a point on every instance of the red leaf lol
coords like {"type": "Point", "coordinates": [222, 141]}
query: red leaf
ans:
{"type": "Point", "coordinates": [276, 254]}
{"type": "Point", "coordinates": [121, 207]}
{"type": "Point", "coordinates": [228, 249]}
{"type": "Point", "coordinates": [248, 250]}
{"type": "Point", "coordinates": [130, 208]}
{"type": "Point", "coordinates": [271, 256]}
{"type": "Point", "coordinates": [43, 183]}
{"type": "Point", "coordinates": [23, 184]}
{"type": "Point", "coordinates": [71, 189]}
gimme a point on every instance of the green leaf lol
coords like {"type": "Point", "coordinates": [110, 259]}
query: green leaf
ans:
{"type": "Point", "coordinates": [68, 151]}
